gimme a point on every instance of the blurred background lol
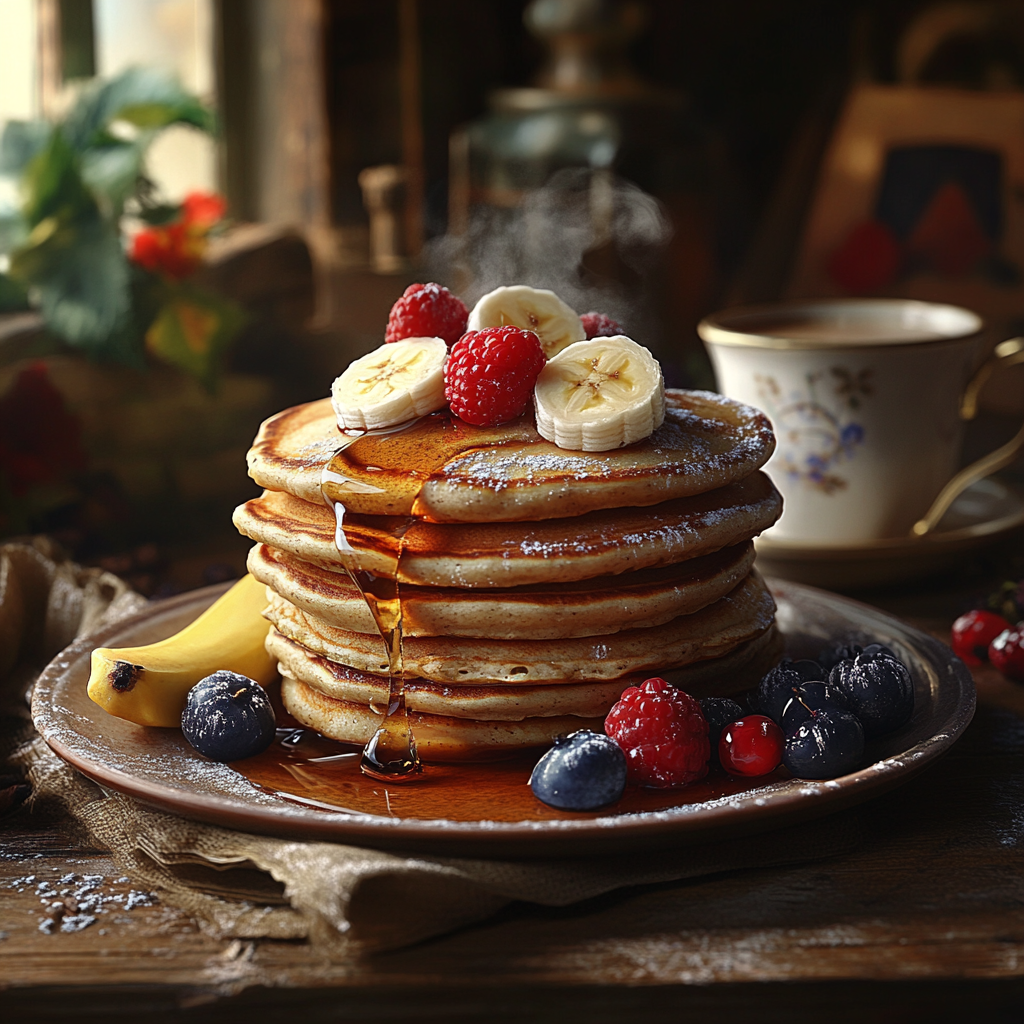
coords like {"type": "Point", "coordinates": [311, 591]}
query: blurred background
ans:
{"type": "Point", "coordinates": [651, 160]}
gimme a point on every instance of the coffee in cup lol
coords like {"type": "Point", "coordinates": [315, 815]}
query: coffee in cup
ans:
{"type": "Point", "coordinates": [868, 398]}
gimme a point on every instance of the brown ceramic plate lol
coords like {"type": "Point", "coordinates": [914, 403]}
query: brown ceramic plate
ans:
{"type": "Point", "coordinates": [488, 809]}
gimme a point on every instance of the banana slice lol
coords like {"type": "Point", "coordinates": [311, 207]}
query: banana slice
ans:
{"type": "Point", "coordinates": [390, 385]}
{"type": "Point", "coordinates": [600, 394]}
{"type": "Point", "coordinates": [533, 309]}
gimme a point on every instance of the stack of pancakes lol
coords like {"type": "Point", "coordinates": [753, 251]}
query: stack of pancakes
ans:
{"type": "Point", "coordinates": [536, 583]}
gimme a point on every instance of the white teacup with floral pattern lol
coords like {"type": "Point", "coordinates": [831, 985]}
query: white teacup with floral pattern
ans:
{"type": "Point", "coordinates": [867, 398]}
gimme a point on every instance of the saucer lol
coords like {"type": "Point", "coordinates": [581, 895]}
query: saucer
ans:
{"type": "Point", "coordinates": [986, 512]}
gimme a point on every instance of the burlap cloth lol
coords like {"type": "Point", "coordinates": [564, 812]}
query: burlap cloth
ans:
{"type": "Point", "coordinates": [248, 886]}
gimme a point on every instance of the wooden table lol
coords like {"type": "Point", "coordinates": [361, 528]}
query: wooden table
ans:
{"type": "Point", "coordinates": [923, 922]}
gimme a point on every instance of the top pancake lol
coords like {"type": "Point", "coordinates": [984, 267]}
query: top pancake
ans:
{"type": "Point", "coordinates": [443, 470]}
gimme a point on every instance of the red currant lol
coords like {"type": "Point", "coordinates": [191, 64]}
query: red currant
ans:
{"type": "Point", "coordinates": [1006, 652]}
{"type": "Point", "coordinates": [973, 632]}
{"type": "Point", "coordinates": [751, 746]}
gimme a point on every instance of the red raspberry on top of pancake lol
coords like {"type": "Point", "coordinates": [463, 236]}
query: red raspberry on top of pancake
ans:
{"type": "Point", "coordinates": [427, 311]}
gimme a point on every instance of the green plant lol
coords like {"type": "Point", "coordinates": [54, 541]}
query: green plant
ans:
{"type": "Point", "coordinates": [64, 245]}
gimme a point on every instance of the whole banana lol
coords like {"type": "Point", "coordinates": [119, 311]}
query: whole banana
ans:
{"type": "Point", "coordinates": [148, 685]}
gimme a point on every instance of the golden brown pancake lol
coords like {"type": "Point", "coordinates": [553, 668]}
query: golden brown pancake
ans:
{"type": "Point", "coordinates": [438, 737]}
{"type": "Point", "coordinates": [600, 543]}
{"type": "Point", "coordinates": [745, 613]}
{"type": "Point", "coordinates": [496, 702]}
{"type": "Point", "coordinates": [536, 582]}
{"type": "Point", "coordinates": [605, 605]}
{"type": "Point", "coordinates": [443, 470]}
{"type": "Point", "coordinates": [738, 670]}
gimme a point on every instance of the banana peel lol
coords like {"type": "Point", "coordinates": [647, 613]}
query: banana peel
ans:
{"type": "Point", "coordinates": [148, 685]}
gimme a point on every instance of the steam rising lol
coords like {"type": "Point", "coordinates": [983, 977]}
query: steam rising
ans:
{"type": "Point", "coordinates": [591, 237]}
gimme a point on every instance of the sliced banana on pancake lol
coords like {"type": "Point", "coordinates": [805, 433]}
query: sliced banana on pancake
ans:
{"type": "Point", "coordinates": [392, 384]}
{"type": "Point", "coordinates": [600, 394]}
{"type": "Point", "coordinates": [533, 309]}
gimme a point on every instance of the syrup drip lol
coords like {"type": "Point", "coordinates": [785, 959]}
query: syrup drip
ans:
{"type": "Point", "coordinates": [419, 449]}
{"type": "Point", "coordinates": [391, 751]}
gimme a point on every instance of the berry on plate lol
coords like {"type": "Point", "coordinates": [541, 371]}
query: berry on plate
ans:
{"type": "Point", "coordinates": [582, 771]}
{"type": "Point", "coordinates": [832, 655]}
{"type": "Point", "coordinates": [878, 688]}
{"type": "Point", "coordinates": [751, 746]}
{"type": "Point", "coordinates": [228, 717]}
{"type": "Point", "coordinates": [973, 632]}
{"type": "Point", "coordinates": [1006, 652]}
{"type": "Point", "coordinates": [662, 732]}
{"type": "Point", "coordinates": [808, 698]}
{"type": "Point", "coordinates": [778, 684]}
{"type": "Point", "coordinates": [490, 374]}
{"type": "Point", "coordinates": [597, 325]}
{"type": "Point", "coordinates": [719, 712]}
{"type": "Point", "coordinates": [829, 743]}
{"type": "Point", "coordinates": [427, 311]}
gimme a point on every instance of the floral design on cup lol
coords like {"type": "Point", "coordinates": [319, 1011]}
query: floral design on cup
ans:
{"type": "Point", "coordinates": [814, 430]}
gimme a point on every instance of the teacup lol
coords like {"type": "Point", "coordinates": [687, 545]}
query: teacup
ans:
{"type": "Point", "coordinates": [868, 398]}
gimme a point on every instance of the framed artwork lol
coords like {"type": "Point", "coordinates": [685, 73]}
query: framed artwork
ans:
{"type": "Point", "coordinates": [920, 194]}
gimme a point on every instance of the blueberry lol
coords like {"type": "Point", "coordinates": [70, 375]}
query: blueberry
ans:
{"type": "Point", "coordinates": [829, 743]}
{"type": "Point", "coordinates": [719, 711]}
{"type": "Point", "coordinates": [228, 717]}
{"type": "Point", "coordinates": [777, 685]}
{"type": "Point", "coordinates": [580, 772]}
{"type": "Point", "coordinates": [879, 649]}
{"type": "Point", "coordinates": [808, 698]}
{"type": "Point", "coordinates": [831, 656]}
{"type": "Point", "coordinates": [878, 688]}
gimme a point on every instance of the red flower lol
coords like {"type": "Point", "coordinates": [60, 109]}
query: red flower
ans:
{"type": "Point", "coordinates": [40, 439]}
{"type": "Point", "coordinates": [176, 250]}
{"type": "Point", "coordinates": [203, 209]}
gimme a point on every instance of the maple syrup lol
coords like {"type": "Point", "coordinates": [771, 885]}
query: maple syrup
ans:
{"type": "Point", "coordinates": [303, 767]}
{"type": "Point", "coordinates": [403, 459]}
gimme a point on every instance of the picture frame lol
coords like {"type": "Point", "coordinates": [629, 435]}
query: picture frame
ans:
{"type": "Point", "coordinates": [920, 194]}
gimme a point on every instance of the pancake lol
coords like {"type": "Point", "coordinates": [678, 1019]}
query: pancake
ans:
{"type": "Point", "coordinates": [738, 670]}
{"type": "Point", "coordinates": [600, 543]}
{"type": "Point", "coordinates": [438, 737]}
{"type": "Point", "coordinates": [443, 470]}
{"type": "Point", "coordinates": [740, 616]}
{"type": "Point", "coordinates": [601, 606]}
{"type": "Point", "coordinates": [497, 702]}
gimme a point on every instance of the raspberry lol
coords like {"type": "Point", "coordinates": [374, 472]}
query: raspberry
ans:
{"type": "Point", "coordinates": [973, 632]}
{"type": "Point", "coordinates": [751, 746]}
{"type": "Point", "coordinates": [427, 311]}
{"type": "Point", "coordinates": [597, 325]}
{"type": "Point", "coordinates": [1006, 652]}
{"type": "Point", "coordinates": [489, 375]}
{"type": "Point", "coordinates": [663, 732]}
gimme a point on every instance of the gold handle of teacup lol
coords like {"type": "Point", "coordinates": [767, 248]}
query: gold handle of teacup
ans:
{"type": "Point", "coordinates": [1006, 353]}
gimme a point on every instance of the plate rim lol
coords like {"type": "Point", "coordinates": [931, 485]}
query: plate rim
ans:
{"type": "Point", "coordinates": [693, 823]}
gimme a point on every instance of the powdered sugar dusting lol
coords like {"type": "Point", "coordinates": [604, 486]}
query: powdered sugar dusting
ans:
{"type": "Point", "coordinates": [74, 902]}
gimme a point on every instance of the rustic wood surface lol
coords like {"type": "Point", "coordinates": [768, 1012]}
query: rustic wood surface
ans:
{"type": "Point", "coordinates": [923, 922]}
